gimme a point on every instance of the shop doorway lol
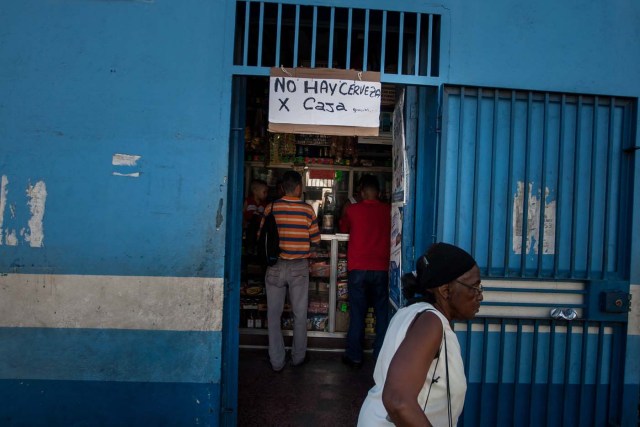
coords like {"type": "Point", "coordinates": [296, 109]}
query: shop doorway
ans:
{"type": "Point", "coordinates": [273, 34]}
{"type": "Point", "coordinates": [331, 167]}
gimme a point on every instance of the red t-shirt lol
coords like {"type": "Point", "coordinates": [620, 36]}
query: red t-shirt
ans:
{"type": "Point", "coordinates": [369, 226]}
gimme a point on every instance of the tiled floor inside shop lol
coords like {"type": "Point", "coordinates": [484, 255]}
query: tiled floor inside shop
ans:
{"type": "Point", "coordinates": [323, 392]}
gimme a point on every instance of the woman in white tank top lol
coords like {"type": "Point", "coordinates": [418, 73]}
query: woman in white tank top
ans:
{"type": "Point", "coordinates": [419, 374]}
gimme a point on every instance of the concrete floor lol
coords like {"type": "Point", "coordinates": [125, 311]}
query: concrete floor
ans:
{"type": "Point", "coordinates": [324, 392]}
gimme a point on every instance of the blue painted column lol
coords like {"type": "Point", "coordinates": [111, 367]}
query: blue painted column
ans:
{"type": "Point", "coordinates": [631, 390]}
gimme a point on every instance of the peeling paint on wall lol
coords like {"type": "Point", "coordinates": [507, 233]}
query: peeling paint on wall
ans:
{"type": "Point", "coordinates": [12, 239]}
{"type": "Point", "coordinates": [125, 160]}
{"type": "Point", "coordinates": [37, 195]}
{"type": "Point", "coordinates": [36, 200]}
{"type": "Point", "coordinates": [130, 175]}
{"type": "Point", "coordinates": [3, 202]}
{"type": "Point", "coordinates": [532, 231]}
{"type": "Point", "coordinates": [219, 217]}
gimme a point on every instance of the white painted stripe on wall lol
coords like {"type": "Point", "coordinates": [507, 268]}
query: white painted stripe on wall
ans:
{"type": "Point", "coordinates": [532, 284]}
{"type": "Point", "coordinates": [543, 329]}
{"type": "Point", "coordinates": [111, 302]}
{"type": "Point", "coordinates": [634, 314]}
{"type": "Point", "coordinates": [519, 312]}
{"type": "Point", "coordinates": [543, 298]}
{"type": "Point", "coordinates": [533, 297]}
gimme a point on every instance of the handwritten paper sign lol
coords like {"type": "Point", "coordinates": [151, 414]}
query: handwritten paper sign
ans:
{"type": "Point", "coordinates": [324, 101]}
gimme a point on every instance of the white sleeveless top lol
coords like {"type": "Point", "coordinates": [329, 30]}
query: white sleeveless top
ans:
{"type": "Point", "coordinates": [373, 412]}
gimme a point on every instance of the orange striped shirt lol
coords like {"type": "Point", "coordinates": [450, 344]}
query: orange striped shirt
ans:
{"type": "Point", "coordinates": [297, 226]}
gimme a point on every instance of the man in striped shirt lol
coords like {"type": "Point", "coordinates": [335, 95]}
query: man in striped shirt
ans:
{"type": "Point", "coordinates": [297, 229]}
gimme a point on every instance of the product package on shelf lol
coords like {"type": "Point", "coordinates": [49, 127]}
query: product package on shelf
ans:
{"type": "Point", "coordinates": [342, 316]}
{"type": "Point", "coordinates": [342, 268]}
{"type": "Point", "coordinates": [317, 322]}
{"type": "Point", "coordinates": [318, 306]}
{"type": "Point", "coordinates": [343, 290]}
{"type": "Point", "coordinates": [320, 286]}
{"type": "Point", "coordinates": [253, 313]}
{"type": "Point", "coordinates": [370, 322]}
{"type": "Point", "coordinates": [319, 268]}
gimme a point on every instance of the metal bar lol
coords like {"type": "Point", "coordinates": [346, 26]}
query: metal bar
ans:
{"type": "Point", "coordinates": [516, 376]}
{"type": "Point", "coordinates": [416, 65]}
{"type": "Point", "coordinates": [349, 29]}
{"type": "Point", "coordinates": [296, 37]}
{"type": "Point", "coordinates": [247, 14]}
{"type": "Point", "coordinates": [400, 42]}
{"type": "Point", "coordinates": [610, 388]}
{"type": "Point", "coordinates": [314, 35]}
{"type": "Point", "coordinates": [530, 304]}
{"type": "Point", "coordinates": [576, 176]}
{"type": "Point", "coordinates": [474, 209]}
{"type": "Point", "coordinates": [525, 197]}
{"type": "Point", "coordinates": [485, 363]}
{"type": "Point", "coordinates": [583, 371]}
{"type": "Point", "coordinates": [543, 185]}
{"type": "Point", "coordinates": [598, 399]}
{"type": "Point", "coordinates": [408, 79]}
{"type": "Point", "coordinates": [459, 168]}
{"type": "Point", "coordinates": [467, 353]}
{"type": "Point", "coordinates": [594, 153]}
{"type": "Point", "coordinates": [534, 365]}
{"type": "Point", "coordinates": [430, 45]}
{"type": "Point", "coordinates": [333, 280]}
{"type": "Point", "coordinates": [494, 144]}
{"type": "Point", "coordinates": [260, 32]}
{"type": "Point", "coordinates": [552, 342]}
{"type": "Point", "coordinates": [560, 186]}
{"type": "Point", "coordinates": [608, 203]}
{"type": "Point", "coordinates": [501, 367]}
{"type": "Point", "coordinates": [332, 24]}
{"type": "Point", "coordinates": [507, 235]}
{"type": "Point", "coordinates": [534, 290]}
{"type": "Point", "coordinates": [384, 41]}
{"type": "Point", "coordinates": [566, 375]}
{"type": "Point", "coordinates": [365, 54]}
{"type": "Point", "coordinates": [278, 35]}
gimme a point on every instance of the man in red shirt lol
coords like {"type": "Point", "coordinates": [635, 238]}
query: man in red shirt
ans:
{"type": "Point", "coordinates": [369, 226]}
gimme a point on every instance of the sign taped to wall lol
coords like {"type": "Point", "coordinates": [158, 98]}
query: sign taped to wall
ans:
{"type": "Point", "coordinates": [324, 101]}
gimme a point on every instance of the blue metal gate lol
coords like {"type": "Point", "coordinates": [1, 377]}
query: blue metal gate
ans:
{"type": "Point", "coordinates": [403, 45]}
{"type": "Point", "coordinates": [536, 186]}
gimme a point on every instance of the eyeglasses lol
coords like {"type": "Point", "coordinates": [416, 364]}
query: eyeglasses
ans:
{"type": "Point", "coordinates": [477, 289]}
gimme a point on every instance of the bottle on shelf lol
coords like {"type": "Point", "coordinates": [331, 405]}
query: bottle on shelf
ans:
{"type": "Point", "coordinates": [328, 213]}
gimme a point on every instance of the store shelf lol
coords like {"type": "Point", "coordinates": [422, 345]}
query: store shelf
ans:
{"type": "Point", "coordinates": [288, 333]}
{"type": "Point", "coordinates": [318, 166]}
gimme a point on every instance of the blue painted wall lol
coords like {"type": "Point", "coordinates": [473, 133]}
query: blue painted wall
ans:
{"type": "Point", "coordinates": [83, 80]}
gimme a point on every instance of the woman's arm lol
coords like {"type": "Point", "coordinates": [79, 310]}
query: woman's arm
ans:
{"type": "Point", "coordinates": [408, 371]}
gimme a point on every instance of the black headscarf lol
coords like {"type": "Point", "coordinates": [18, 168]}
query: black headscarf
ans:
{"type": "Point", "coordinates": [441, 264]}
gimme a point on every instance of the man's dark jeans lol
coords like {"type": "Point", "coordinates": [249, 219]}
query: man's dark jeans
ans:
{"type": "Point", "coordinates": [366, 288]}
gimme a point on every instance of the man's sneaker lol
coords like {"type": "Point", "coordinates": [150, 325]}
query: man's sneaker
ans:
{"type": "Point", "coordinates": [351, 363]}
{"type": "Point", "coordinates": [304, 361]}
